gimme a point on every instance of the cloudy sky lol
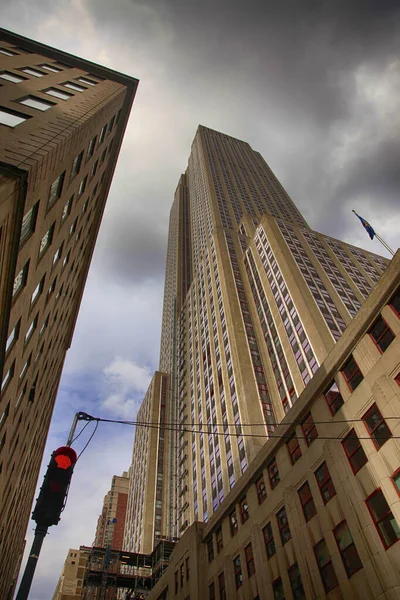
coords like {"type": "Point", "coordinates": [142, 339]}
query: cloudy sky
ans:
{"type": "Point", "coordinates": [312, 85]}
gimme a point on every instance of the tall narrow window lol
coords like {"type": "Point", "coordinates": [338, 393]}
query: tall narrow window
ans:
{"type": "Point", "coordinates": [334, 398]}
{"type": "Point", "coordinates": [354, 451]}
{"type": "Point", "coordinates": [29, 222]}
{"type": "Point", "coordinates": [283, 525]}
{"type": "Point", "coordinates": [347, 549]}
{"type": "Point", "coordinates": [277, 588]}
{"type": "Point", "coordinates": [221, 586]}
{"type": "Point", "coordinates": [233, 523]}
{"type": "Point", "coordinates": [12, 338]}
{"type": "Point", "coordinates": [352, 374]}
{"type": "Point", "coordinates": [251, 569]}
{"type": "Point", "coordinates": [21, 279]}
{"type": "Point", "coordinates": [293, 446]}
{"type": "Point", "coordinates": [307, 501]}
{"type": "Point", "coordinates": [102, 135]}
{"type": "Point", "coordinates": [244, 510]}
{"type": "Point", "coordinates": [76, 165]}
{"type": "Point", "coordinates": [376, 425]}
{"type": "Point", "coordinates": [67, 209]}
{"type": "Point", "coordinates": [273, 473]}
{"type": "Point", "coordinates": [211, 591]}
{"type": "Point", "coordinates": [91, 147]}
{"type": "Point", "coordinates": [383, 518]}
{"type": "Point", "coordinates": [381, 334]}
{"type": "Point", "coordinates": [46, 240]}
{"type": "Point", "coordinates": [261, 490]}
{"type": "Point", "coordinates": [55, 190]}
{"type": "Point", "coordinates": [396, 480]}
{"type": "Point", "coordinates": [219, 539]}
{"type": "Point", "coordinates": [325, 483]}
{"type": "Point", "coordinates": [238, 572]}
{"type": "Point", "coordinates": [296, 583]}
{"type": "Point", "coordinates": [309, 429]}
{"type": "Point", "coordinates": [395, 303]}
{"type": "Point", "coordinates": [269, 540]}
{"type": "Point", "coordinates": [210, 550]}
{"type": "Point", "coordinates": [31, 329]}
{"type": "Point", "coordinates": [7, 377]}
{"type": "Point", "coordinates": [325, 566]}
{"type": "Point", "coordinates": [82, 187]}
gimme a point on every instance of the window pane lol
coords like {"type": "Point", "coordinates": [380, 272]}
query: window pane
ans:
{"type": "Point", "coordinates": [334, 398]}
{"type": "Point", "coordinates": [10, 118]}
{"type": "Point", "coordinates": [50, 68]}
{"type": "Point", "coordinates": [33, 72]}
{"type": "Point", "coordinates": [58, 94]}
{"type": "Point", "coordinates": [37, 103]}
{"type": "Point", "coordinates": [11, 77]}
{"type": "Point", "coordinates": [74, 86]}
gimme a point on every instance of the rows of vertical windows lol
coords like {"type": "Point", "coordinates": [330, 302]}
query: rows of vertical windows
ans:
{"type": "Point", "coordinates": [363, 258]}
{"type": "Point", "coordinates": [355, 274]}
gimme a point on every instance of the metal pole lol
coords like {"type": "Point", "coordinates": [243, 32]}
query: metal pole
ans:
{"type": "Point", "coordinates": [72, 432]}
{"type": "Point", "coordinates": [26, 582]}
{"type": "Point", "coordinates": [388, 248]}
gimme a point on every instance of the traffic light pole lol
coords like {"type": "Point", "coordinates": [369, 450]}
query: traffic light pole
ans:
{"type": "Point", "coordinates": [26, 581]}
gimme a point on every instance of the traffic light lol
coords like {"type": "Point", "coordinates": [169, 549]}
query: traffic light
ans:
{"type": "Point", "coordinates": [52, 495]}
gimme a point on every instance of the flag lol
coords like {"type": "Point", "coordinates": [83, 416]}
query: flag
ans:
{"type": "Point", "coordinates": [370, 230]}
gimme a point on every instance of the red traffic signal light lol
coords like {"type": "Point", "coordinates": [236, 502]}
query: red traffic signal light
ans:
{"type": "Point", "coordinates": [52, 495]}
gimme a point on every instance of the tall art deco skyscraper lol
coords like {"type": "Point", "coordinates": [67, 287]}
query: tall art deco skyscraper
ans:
{"type": "Point", "coordinates": [254, 301]}
{"type": "Point", "coordinates": [62, 120]}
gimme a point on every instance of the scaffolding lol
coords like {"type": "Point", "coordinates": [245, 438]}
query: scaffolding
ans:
{"type": "Point", "coordinates": [112, 574]}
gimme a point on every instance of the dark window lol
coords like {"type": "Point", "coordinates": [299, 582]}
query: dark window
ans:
{"type": "Point", "coordinates": [221, 586]}
{"type": "Point", "coordinates": [244, 510]}
{"type": "Point", "coordinates": [238, 572]}
{"type": "Point", "coordinates": [76, 165]}
{"type": "Point", "coordinates": [55, 190]}
{"type": "Point", "coordinates": [293, 447]}
{"type": "Point", "coordinates": [187, 569]}
{"type": "Point", "coordinates": [376, 426]}
{"type": "Point", "coordinates": [307, 501]}
{"type": "Point", "coordinates": [354, 451]}
{"type": "Point", "coordinates": [261, 490]}
{"type": "Point", "coordinates": [383, 518]}
{"type": "Point", "coordinates": [269, 540]}
{"type": "Point", "coordinates": [233, 522]}
{"type": "Point", "coordinates": [182, 573]}
{"type": "Point", "coordinates": [219, 539]}
{"type": "Point", "coordinates": [211, 591]}
{"type": "Point", "coordinates": [381, 334]}
{"type": "Point", "coordinates": [29, 222]}
{"type": "Point", "coordinates": [325, 566]}
{"type": "Point", "coordinates": [395, 303]}
{"type": "Point", "coordinates": [251, 569]}
{"type": "Point", "coordinates": [352, 373]}
{"type": "Point", "coordinates": [296, 583]}
{"type": "Point", "coordinates": [91, 147]}
{"type": "Point", "coordinates": [347, 549]}
{"type": "Point", "coordinates": [283, 525]}
{"type": "Point", "coordinates": [277, 587]}
{"type": "Point", "coordinates": [309, 430]}
{"type": "Point", "coordinates": [325, 483]}
{"type": "Point", "coordinates": [334, 398]}
{"type": "Point", "coordinates": [210, 550]}
{"type": "Point", "coordinates": [176, 582]}
{"type": "Point", "coordinates": [396, 480]}
{"type": "Point", "coordinates": [273, 473]}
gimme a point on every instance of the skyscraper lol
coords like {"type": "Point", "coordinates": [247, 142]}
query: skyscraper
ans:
{"type": "Point", "coordinates": [254, 301]}
{"type": "Point", "coordinates": [111, 521]}
{"type": "Point", "coordinates": [62, 120]}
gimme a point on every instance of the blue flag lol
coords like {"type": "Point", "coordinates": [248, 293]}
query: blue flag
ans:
{"type": "Point", "coordinates": [370, 230]}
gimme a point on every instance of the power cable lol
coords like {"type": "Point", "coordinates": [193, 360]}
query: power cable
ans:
{"type": "Point", "coordinates": [90, 439]}
{"type": "Point", "coordinates": [81, 431]}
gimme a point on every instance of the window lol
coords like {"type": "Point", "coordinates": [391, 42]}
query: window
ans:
{"type": "Point", "coordinates": [37, 103]}
{"type": "Point", "coordinates": [210, 550]}
{"type": "Point", "coordinates": [376, 426]}
{"type": "Point", "coordinates": [66, 259]}
{"type": "Point", "coordinates": [248, 551]}
{"type": "Point", "coordinates": [91, 147]}
{"type": "Point", "coordinates": [67, 209]}
{"type": "Point", "coordinates": [211, 591]}
{"type": "Point", "coordinates": [182, 574]}
{"type": "Point", "coordinates": [296, 583]}
{"type": "Point", "coordinates": [238, 572]}
{"type": "Point", "coordinates": [11, 118]}
{"type": "Point", "coordinates": [76, 166]}
{"type": "Point", "coordinates": [51, 68]}
{"type": "Point", "coordinates": [25, 368]}
{"type": "Point", "coordinates": [221, 586]}
{"type": "Point", "coordinates": [396, 480]}
{"type": "Point", "coordinates": [58, 94]}
{"type": "Point", "coordinates": [87, 81]}
{"type": "Point", "coordinates": [38, 290]}
{"type": "Point", "coordinates": [46, 240]}
{"type": "Point", "coordinates": [13, 336]}
{"type": "Point", "coordinates": [111, 125]}
{"type": "Point", "coordinates": [187, 569]}
{"type": "Point", "coordinates": [277, 587]}
{"type": "Point", "coordinates": [29, 222]}
{"type": "Point", "coordinates": [72, 229]}
{"type": "Point", "coordinates": [383, 518]}
{"type": "Point", "coordinates": [11, 77]}
{"type": "Point", "coordinates": [244, 510]}
{"type": "Point", "coordinates": [102, 136]}
{"type": "Point", "coordinates": [34, 72]}
{"type": "Point", "coordinates": [103, 156]}
{"type": "Point", "coordinates": [82, 187]}
{"type": "Point", "coordinates": [8, 376]}
{"type": "Point", "coordinates": [325, 566]}
{"type": "Point", "coordinates": [219, 539]}
{"type": "Point", "coordinates": [334, 398]}
{"type": "Point", "coordinates": [8, 52]}
{"type": "Point", "coordinates": [94, 169]}
{"type": "Point", "coordinates": [352, 373]}
{"type": "Point", "coordinates": [309, 430]}
{"type": "Point", "coordinates": [261, 490]}
{"type": "Point", "coordinates": [21, 279]}
{"type": "Point", "coordinates": [57, 255]}
{"type": "Point", "coordinates": [293, 447]}
{"type": "Point", "coordinates": [31, 329]}
{"type": "Point", "coordinates": [55, 190]}
{"type": "Point", "coordinates": [307, 501]}
{"type": "Point", "coordinates": [269, 540]}
{"type": "Point", "coordinates": [354, 451]}
{"type": "Point", "coordinates": [273, 473]}
{"type": "Point", "coordinates": [283, 525]}
{"type": "Point", "coordinates": [395, 303]}
{"type": "Point", "coordinates": [381, 334]}
{"type": "Point", "coordinates": [233, 523]}
{"type": "Point", "coordinates": [44, 326]}
{"type": "Point", "coordinates": [347, 549]}
{"type": "Point", "coordinates": [176, 582]}
{"type": "Point", "coordinates": [325, 484]}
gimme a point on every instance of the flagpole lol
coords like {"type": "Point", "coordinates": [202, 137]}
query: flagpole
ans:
{"type": "Point", "coordinates": [378, 237]}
